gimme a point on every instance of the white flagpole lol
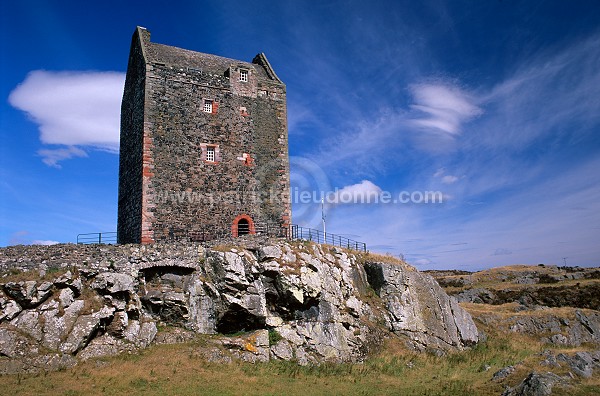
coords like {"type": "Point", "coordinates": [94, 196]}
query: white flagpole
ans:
{"type": "Point", "coordinates": [323, 218]}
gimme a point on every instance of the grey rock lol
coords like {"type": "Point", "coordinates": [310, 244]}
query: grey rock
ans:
{"type": "Point", "coordinates": [118, 325]}
{"type": "Point", "coordinates": [51, 362]}
{"type": "Point", "coordinates": [553, 329]}
{"type": "Point", "coordinates": [282, 350]}
{"type": "Point", "coordinates": [202, 309]}
{"type": "Point", "coordinates": [550, 359]}
{"type": "Point", "coordinates": [114, 283]}
{"type": "Point", "coordinates": [536, 384]}
{"type": "Point", "coordinates": [35, 364]}
{"type": "Point", "coordinates": [27, 293]}
{"type": "Point", "coordinates": [173, 280]}
{"type": "Point", "coordinates": [66, 297]}
{"type": "Point", "coordinates": [64, 280]}
{"type": "Point", "coordinates": [68, 280]}
{"type": "Point", "coordinates": [56, 328]}
{"type": "Point", "coordinates": [76, 285]}
{"type": "Point", "coordinates": [175, 335]}
{"type": "Point", "coordinates": [104, 346]}
{"type": "Point", "coordinates": [146, 335]}
{"type": "Point", "coordinates": [503, 373]}
{"type": "Point", "coordinates": [10, 309]}
{"type": "Point", "coordinates": [253, 347]}
{"type": "Point", "coordinates": [141, 334]}
{"type": "Point", "coordinates": [476, 295]}
{"type": "Point", "coordinates": [29, 323]}
{"type": "Point", "coordinates": [13, 344]}
{"type": "Point", "coordinates": [419, 309]}
{"type": "Point", "coordinates": [582, 363]}
{"type": "Point", "coordinates": [269, 253]}
{"type": "Point", "coordinates": [83, 330]}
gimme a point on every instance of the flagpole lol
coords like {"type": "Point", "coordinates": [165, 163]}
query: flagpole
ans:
{"type": "Point", "coordinates": [323, 218]}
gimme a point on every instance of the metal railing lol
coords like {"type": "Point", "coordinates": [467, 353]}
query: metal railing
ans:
{"type": "Point", "coordinates": [210, 233]}
{"type": "Point", "coordinates": [294, 232]}
{"type": "Point", "coordinates": [97, 237]}
{"type": "Point", "coordinates": [310, 234]}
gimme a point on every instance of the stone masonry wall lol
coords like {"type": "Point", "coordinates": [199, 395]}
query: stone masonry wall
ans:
{"type": "Point", "coordinates": [182, 192]}
{"type": "Point", "coordinates": [130, 159]}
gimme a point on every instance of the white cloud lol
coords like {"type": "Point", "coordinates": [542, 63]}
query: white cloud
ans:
{"type": "Point", "coordinates": [445, 107]}
{"type": "Point", "coordinates": [439, 173]}
{"type": "Point", "coordinates": [44, 242]}
{"type": "Point", "coordinates": [20, 238]}
{"type": "Point", "coordinates": [74, 109]}
{"type": "Point", "coordinates": [363, 192]}
{"type": "Point", "coordinates": [449, 179]}
{"type": "Point", "coordinates": [446, 179]}
{"type": "Point", "coordinates": [51, 157]}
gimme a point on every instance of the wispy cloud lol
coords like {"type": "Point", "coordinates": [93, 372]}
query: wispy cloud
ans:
{"type": "Point", "coordinates": [445, 179]}
{"type": "Point", "coordinates": [442, 108]}
{"type": "Point", "coordinates": [52, 157]}
{"type": "Point", "coordinates": [79, 110]}
{"type": "Point", "coordinates": [449, 179]}
{"type": "Point", "coordinates": [552, 94]}
{"type": "Point", "coordinates": [525, 145]}
{"type": "Point", "coordinates": [501, 252]}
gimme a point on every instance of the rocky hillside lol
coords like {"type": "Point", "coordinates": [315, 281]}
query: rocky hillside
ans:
{"type": "Point", "coordinates": [557, 306]}
{"type": "Point", "coordinates": [550, 286]}
{"type": "Point", "coordinates": [261, 299]}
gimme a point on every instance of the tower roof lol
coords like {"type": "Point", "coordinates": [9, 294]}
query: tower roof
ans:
{"type": "Point", "coordinates": [213, 64]}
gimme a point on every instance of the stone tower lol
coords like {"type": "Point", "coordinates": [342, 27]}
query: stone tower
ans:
{"type": "Point", "coordinates": [204, 146]}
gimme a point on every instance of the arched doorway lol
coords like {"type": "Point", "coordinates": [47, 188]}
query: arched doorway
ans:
{"type": "Point", "coordinates": [242, 225]}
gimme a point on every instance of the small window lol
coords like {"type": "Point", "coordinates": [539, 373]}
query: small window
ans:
{"type": "Point", "coordinates": [208, 106]}
{"type": "Point", "coordinates": [210, 154]}
{"type": "Point", "coordinates": [244, 75]}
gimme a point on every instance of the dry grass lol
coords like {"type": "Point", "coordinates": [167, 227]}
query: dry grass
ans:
{"type": "Point", "coordinates": [225, 248]}
{"type": "Point", "coordinates": [14, 275]}
{"type": "Point", "coordinates": [177, 369]}
{"type": "Point", "coordinates": [383, 258]}
{"type": "Point", "coordinates": [504, 311]}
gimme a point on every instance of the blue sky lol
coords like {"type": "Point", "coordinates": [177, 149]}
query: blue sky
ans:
{"type": "Point", "coordinates": [495, 104]}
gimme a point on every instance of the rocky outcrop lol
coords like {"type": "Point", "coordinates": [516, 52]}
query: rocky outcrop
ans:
{"type": "Point", "coordinates": [537, 384]}
{"type": "Point", "coordinates": [280, 300]}
{"type": "Point", "coordinates": [418, 308]}
{"type": "Point", "coordinates": [583, 328]}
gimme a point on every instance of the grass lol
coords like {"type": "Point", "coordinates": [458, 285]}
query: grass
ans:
{"type": "Point", "coordinates": [382, 258]}
{"type": "Point", "coordinates": [15, 275]}
{"type": "Point", "coordinates": [274, 337]}
{"type": "Point", "coordinates": [176, 369]}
